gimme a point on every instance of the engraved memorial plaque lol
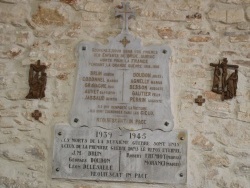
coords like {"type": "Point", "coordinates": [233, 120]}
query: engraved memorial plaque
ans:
{"type": "Point", "coordinates": [122, 83]}
{"type": "Point", "coordinates": [120, 155]}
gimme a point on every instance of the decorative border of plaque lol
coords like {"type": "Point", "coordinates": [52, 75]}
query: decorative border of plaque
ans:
{"type": "Point", "coordinates": [120, 155]}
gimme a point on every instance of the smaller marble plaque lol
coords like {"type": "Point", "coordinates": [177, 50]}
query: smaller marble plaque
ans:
{"type": "Point", "coordinates": [120, 155]}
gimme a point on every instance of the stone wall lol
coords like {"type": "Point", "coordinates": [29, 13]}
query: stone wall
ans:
{"type": "Point", "coordinates": [199, 32]}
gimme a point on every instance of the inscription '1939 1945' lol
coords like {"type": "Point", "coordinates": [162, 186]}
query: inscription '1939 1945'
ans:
{"type": "Point", "coordinates": [140, 156]}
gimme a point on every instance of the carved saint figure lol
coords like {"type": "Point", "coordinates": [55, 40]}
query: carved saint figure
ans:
{"type": "Point", "coordinates": [235, 81]}
{"type": "Point", "coordinates": [232, 85]}
{"type": "Point", "coordinates": [216, 81]}
{"type": "Point", "coordinates": [224, 73]}
{"type": "Point", "coordinates": [37, 81]}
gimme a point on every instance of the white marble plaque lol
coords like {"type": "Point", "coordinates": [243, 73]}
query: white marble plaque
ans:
{"type": "Point", "coordinates": [122, 84]}
{"type": "Point", "coordinates": [120, 155]}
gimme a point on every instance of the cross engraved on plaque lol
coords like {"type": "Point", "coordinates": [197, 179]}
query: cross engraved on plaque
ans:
{"type": "Point", "coordinates": [124, 41]}
{"type": "Point", "coordinates": [126, 13]}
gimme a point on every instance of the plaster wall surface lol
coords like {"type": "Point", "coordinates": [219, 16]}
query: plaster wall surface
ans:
{"type": "Point", "coordinates": [199, 32]}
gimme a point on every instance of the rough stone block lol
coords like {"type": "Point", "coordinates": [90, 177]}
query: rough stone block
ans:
{"type": "Point", "coordinates": [244, 116]}
{"type": "Point", "coordinates": [6, 124]}
{"type": "Point", "coordinates": [156, 14]}
{"type": "Point", "coordinates": [9, 182]}
{"type": "Point", "coordinates": [15, 14]}
{"type": "Point", "coordinates": [16, 94]}
{"type": "Point", "coordinates": [89, 16]}
{"type": "Point", "coordinates": [227, 15]}
{"type": "Point", "coordinates": [239, 38]}
{"type": "Point", "coordinates": [70, 2]}
{"type": "Point", "coordinates": [242, 63]}
{"type": "Point", "coordinates": [25, 128]}
{"type": "Point", "coordinates": [248, 13]}
{"type": "Point", "coordinates": [237, 152]}
{"type": "Point", "coordinates": [190, 51]}
{"type": "Point", "coordinates": [3, 83]}
{"type": "Point", "coordinates": [10, 51]}
{"type": "Point", "coordinates": [7, 34]}
{"type": "Point", "coordinates": [202, 142]}
{"type": "Point", "coordinates": [7, 105]}
{"type": "Point", "coordinates": [211, 95]}
{"type": "Point", "coordinates": [218, 15]}
{"type": "Point", "coordinates": [218, 106]}
{"type": "Point", "coordinates": [36, 151]}
{"type": "Point", "coordinates": [14, 52]}
{"type": "Point", "coordinates": [228, 53]}
{"type": "Point", "coordinates": [194, 26]}
{"type": "Point", "coordinates": [212, 173]}
{"type": "Point", "coordinates": [29, 104]}
{"type": "Point", "coordinates": [35, 166]}
{"type": "Point", "coordinates": [235, 16]}
{"type": "Point", "coordinates": [168, 33]}
{"type": "Point", "coordinates": [248, 56]}
{"type": "Point", "coordinates": [235, 1]}
{"type": "Point", "coordinates": [242, 169]}
{"type": "Point", "coordinates": [96, 7]}
{"type": "Point", "coordinates": [62, 76]}
{"type": "Point", "coordinates": [231, 1]}
{"type": "Point", "coordinates": [14, 155]}
{"type": "Point", "coordinates": [190, 73]}
{"type": "Point", "coordinates": [216, 160]}
{"type": "Point", "coordinates": [64, 66]}
{"type": "Point", "coordinates": [4, 139]}
{"type": "Point", "coordinates": [189, 60]}
{"type": "Point", "coordinates": [24, 38]}
{"type": "Point", "coordinates": [243, 25]}
{"type": "Point", "coordinates": [244, 107]}
{"type": "Point", "coordinates": [199, 39]}
{"type": "Point", "coordinates": [48, 17]}
{"type": "Point", "coordinates": [8, 113]}
{"type": "Point", "coordinates": [13, 1]}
